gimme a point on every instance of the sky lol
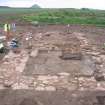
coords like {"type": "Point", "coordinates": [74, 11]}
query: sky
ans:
{"type": "Point", "coordinates": [95, 4]}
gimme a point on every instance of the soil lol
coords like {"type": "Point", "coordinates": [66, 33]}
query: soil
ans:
{"type": "Point", "coordinates": [56, 65]}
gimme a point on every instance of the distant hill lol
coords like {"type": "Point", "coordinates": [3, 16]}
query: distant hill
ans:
{"type": "Point", "coordinates": [35, 6]}
{"type": "Point", "coordinates": [4, 7]}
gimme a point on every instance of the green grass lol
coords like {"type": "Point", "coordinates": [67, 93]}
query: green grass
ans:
{"type": "Point", "coordinates": [56, 16]}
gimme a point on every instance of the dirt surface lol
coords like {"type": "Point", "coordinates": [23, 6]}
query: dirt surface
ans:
{"type": "Point", "coordinates": [61, 97]}
{"type": "Point", "coordinates": [57, 65]}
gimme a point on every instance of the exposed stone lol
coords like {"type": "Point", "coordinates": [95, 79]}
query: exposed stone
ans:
{"type": "Point", "coordinates": [34, 53]}
{"type": "Point", "coordinates": [81, 89]}
{"type": "Point", "coordinates": [63, 78]}
{"type": "Point", "coordinates": [20, 86]}
{"type": "Point", "coordinates": [64, 74]}
{"type": "Point", "coordinates": [50, 88]}
{"type": "Point", "coordinates": [35, 83]}
{"type": "Point", "coordinates": [94, 53]}
{"type": "Point", "coordinates": [81, 79]}
{"type": "Point", "coordinates": [102, 57]}
{"type": "Point", "coordinates": [99, 77]}
{"type": "Point", "coordinates": [46, 79]}
{"type": "Point", "coordinates": [100, 86]}
{"type": "Point", "coordinates": [101, 66]}
{"type": "Point", "coordinates": [39, 88]}
{"type": "Point", "coordinates": [42, 78]}
{"type": "Point", "coordinates": [41, 84]}
{"type": "Point", "coordinates": [97, 60]}
{"type": "Point", "coordinates": [7, 85]}
{"type": "Point", "coordinates": [54, 77]}
{"type": "Point", "coordinates": [84, 79]}
{"type": "Point", "coordinates": [87, 83]}
{"type": "Point", "coordinates": [46, 82]}
{"type": "Point", "coordinates": [62, 83]}
{"type": "Point", "coordinates": [26, 80]}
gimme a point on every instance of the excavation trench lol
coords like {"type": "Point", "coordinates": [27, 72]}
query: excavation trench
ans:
{"type": "Point", "coordinates": [69, 58]}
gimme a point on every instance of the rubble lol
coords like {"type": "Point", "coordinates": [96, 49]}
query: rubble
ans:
{"type": "Point", "coordinates": [56, 58]}
{"type": "Point", "coordinates": [48, 79]}
{"type": "Point", "coordinates": [87, 83]}
{"type": "Point", "coordinates": [19, 86]}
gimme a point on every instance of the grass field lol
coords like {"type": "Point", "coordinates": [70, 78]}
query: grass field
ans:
{"type": "Point", "coordinates": [55, 16]}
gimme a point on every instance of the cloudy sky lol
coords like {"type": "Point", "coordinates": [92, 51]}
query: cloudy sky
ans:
{"type": "Point", "coordinates": [95, 4]}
